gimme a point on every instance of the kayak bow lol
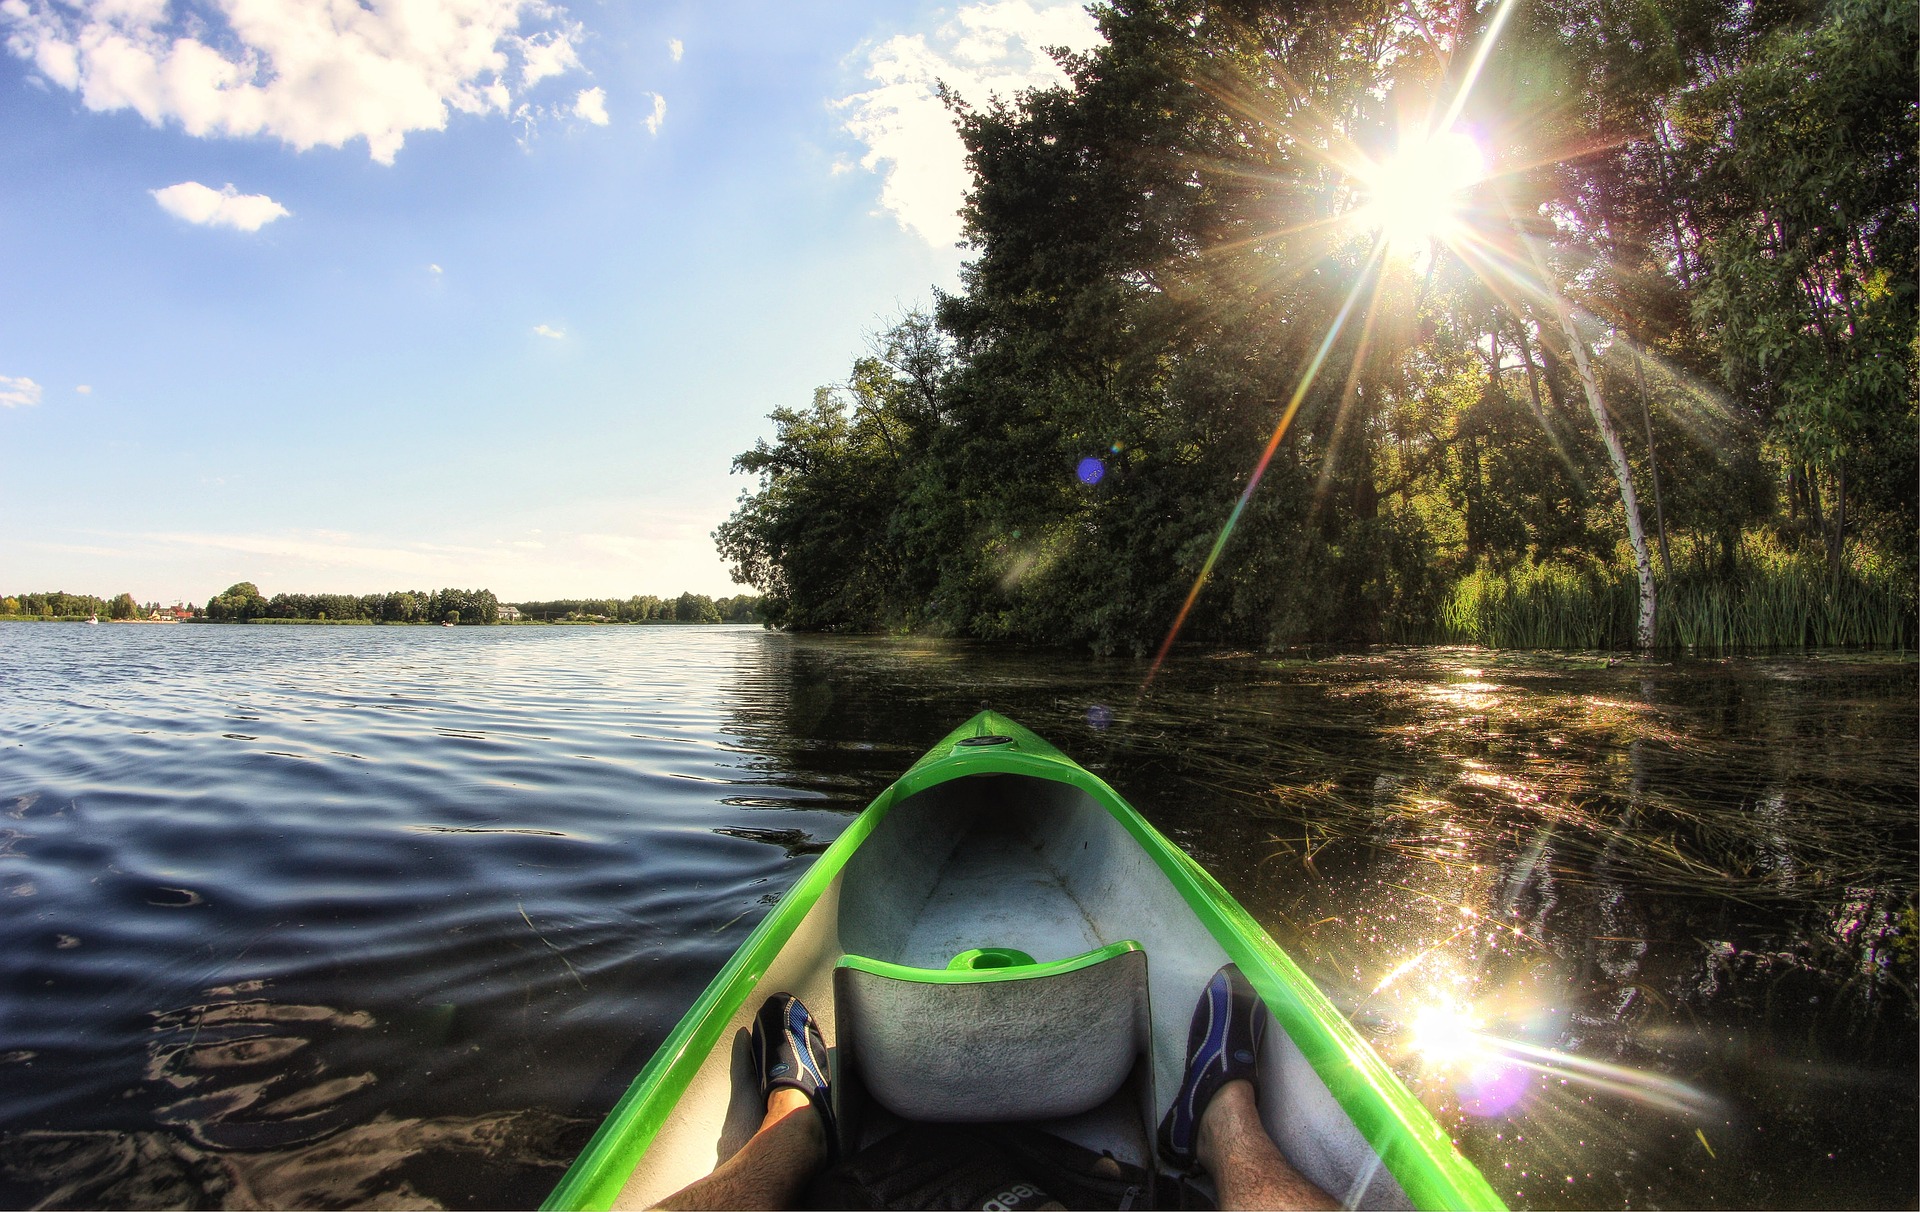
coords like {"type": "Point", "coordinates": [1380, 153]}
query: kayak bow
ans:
{"type": "Point", "coordinates": [997, 860]}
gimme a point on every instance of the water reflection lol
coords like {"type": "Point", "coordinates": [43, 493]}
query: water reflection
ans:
{"type": "Point", "coordinates": [382, 1163]}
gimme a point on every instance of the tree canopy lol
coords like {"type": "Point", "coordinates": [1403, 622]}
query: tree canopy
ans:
{"type": "Point", "coordinates": [1196, 371]}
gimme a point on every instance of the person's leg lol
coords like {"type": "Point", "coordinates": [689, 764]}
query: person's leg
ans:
{"type": "Point", "coordinates": [1213, 1123]}
{"type": "Point", "coordinates": [790, 1064]}
{"type": "Point", "coordinates": [1248, 1169]}
{"type": "Point", "coordinates": [772, 1168]}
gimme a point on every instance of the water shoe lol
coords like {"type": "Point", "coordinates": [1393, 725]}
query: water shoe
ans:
{"type": "Point", "coordinates": [1223, 1045]}
{"type": "Point", "coordinates": [788, 1051]}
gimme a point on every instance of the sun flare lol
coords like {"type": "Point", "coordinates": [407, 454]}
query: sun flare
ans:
{"type": "Point", "coordinates": [1416, 195]}
{"type": "Point", "coordinates": [1445, 1035]}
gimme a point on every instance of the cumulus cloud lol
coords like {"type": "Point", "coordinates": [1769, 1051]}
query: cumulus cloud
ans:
{"type": "Point", "coordinates": [18, 393]}
{"type": "Point", "coordinates": [989, 49]}
{"type": "Point", "coordinates": [676, 48]}
{"type": "Point", "coordinates": [552, 334]}
{"type": "Point", "coordinates": [225, 207]}
{"type": "Point", "coordinates": [591, 104]}
{"type": "Point", "coordinates": [306, 73]}
{"type": "Point", "coordinates": [658, 114]}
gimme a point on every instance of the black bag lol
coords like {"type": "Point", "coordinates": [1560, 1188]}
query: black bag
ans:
{"type": "Point", "coordinates": [994, 1167]}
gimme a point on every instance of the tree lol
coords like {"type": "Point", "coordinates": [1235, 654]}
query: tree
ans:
{"type": "Point", "coordinates": [241, 602]}
{"type": "Point", "coordinates": [1810, 293]}
{"type": "Point", "coordinates": [695, 608]}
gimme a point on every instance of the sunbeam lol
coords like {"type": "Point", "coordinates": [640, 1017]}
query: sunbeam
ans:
{"type": "Point", "coordinates": [1266, 456]}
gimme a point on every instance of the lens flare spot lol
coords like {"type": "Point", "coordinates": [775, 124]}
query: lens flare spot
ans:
{"type": "Point", "coordinates": [1091, 470]}
{"type": "Point", "coordinates": [1492, 1087]}
{"type": "Point", "coordinates": [1099, 718]}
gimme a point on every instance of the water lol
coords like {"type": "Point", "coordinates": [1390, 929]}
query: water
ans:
{"type": "Point", "coordinates": [385, 916]}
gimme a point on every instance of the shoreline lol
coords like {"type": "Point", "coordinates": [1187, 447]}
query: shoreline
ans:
{"type": "Point", "coordinates": [75, 618]}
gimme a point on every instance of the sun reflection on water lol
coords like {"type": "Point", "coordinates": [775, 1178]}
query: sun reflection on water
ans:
{"type": "Point", "coordinates": [1446, 1039]}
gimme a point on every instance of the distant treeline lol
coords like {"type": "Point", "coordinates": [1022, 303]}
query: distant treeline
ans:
{"type": "Point", "coordinates": [244, 603]}
{"type": "Point", "coordinates": [59, 605]}
{"type": "Point", "coordinates": [645, 608]}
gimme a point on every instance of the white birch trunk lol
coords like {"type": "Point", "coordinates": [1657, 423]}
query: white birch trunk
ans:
{"type": "Point", "coordinates": [1616, 453]}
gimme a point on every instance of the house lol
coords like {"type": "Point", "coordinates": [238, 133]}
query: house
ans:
{"type": "Point", "coordinates": [508, 614]}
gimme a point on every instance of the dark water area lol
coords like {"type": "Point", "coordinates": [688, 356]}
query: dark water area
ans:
{"type": "Point", "coordinates": [332, 917]}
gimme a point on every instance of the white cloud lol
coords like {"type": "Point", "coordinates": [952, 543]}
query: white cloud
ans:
{"type": "Point", "coordinates": [549, 54]}
{"type": "Point", "coordinates": [988, 49]}
{"type": "Point", "coordinates": [227, 207]}
{"type": "Point", "coordinates": [435, 270]}
{"type": "Point", "coordinates": [591, 104]}
{"type": "Point", "coordinates": [659, 114]}
{"type": "Point", "coordinates": [676, 48]}
{"type": "Point", "coordinates": [306, 73]}
{"type": "Point", "coordinates": [18, 393]}
{"type": "Point", "coordinates": [84, 389]}
{"type": "Point", "coordinates": [552, 334]}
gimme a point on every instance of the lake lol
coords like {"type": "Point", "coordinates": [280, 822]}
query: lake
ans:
{"type": "Point", "coordinates": [358, 916]}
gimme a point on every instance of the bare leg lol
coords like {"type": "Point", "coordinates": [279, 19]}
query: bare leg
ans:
{"type": "Point", "coordinates": [771, 1169]}
{"type": "Point", "coordinates": [1247, 1167]}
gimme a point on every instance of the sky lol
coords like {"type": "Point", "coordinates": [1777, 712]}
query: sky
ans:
{"type": "Point", "coordinates": [346, 297]}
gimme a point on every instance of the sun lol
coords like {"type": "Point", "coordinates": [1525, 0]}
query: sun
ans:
{"type": "Point", "coordinates": [1416, 195]}
{"type": "Point", "coordinates": [1445, 1035]}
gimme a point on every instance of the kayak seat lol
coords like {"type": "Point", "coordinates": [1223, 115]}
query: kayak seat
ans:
{"type": "Point", "coordinates": [991, 1038]}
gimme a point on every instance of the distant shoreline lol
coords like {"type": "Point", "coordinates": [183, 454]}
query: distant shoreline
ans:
{"type": "Point", "coordinates": [80, 618]}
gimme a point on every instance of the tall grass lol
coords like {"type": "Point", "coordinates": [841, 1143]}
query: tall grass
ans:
{"type": "Point", "coordinates": [1773, 598]}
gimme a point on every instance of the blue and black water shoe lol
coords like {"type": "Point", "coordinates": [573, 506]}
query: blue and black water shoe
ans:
{"type": "Point", "coordinates": [1222, 1045]}
{"type": "Point", "coordinates": [788, 1051]}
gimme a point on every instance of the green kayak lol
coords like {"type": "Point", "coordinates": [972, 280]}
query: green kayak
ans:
{"type": "Point", "coordinates": [1000, 893]}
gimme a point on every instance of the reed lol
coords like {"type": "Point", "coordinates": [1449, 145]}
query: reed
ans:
{"type": "Point", "coordinates": [1774, 598]}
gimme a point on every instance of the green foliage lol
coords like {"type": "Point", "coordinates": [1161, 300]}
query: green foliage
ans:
{"type": "Point", "coordinates": [1161, 248]}
{"type": "Point", "coordinates": [644, 608]}
{"type": "Point", "coordinates": [244, 603]}
{"type": "Point", "coordinates": [60, 605]}
{"type": "Point", "coordinates": [1774, 598]}
{"type": "Point", "coordinates": [240, 603]}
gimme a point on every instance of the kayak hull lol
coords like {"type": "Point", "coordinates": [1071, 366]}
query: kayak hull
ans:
{"type": "Point", "coordinates": [996, 840]}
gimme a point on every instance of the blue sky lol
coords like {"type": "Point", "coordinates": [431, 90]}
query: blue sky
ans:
{"type": "Point", "coordinates": [336, 297]}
